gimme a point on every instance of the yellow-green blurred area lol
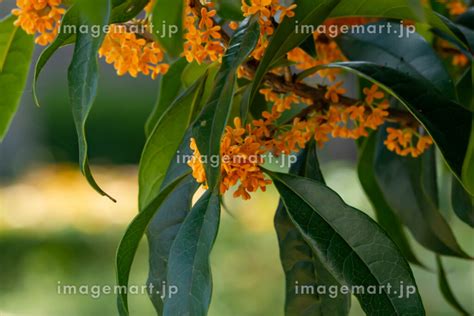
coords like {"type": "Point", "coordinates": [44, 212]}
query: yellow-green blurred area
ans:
{"type": "Point", "coordinates": [55, 229]}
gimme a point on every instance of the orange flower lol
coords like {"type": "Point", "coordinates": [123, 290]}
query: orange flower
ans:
{"type": "Point", "coordinates": [196, 164]}
{"type": "Point", "coordinates": [39, 16]}
{"type": "Point", "coordinates": [372, 94]}
{"type": "Point", "coordinates": [131, 54]}
{"type": "Point", "coordinates": [333, 92]}
{"type": "Point", "coordinates": [401, 142]}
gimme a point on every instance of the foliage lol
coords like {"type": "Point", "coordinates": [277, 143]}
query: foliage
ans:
{"type": "Point", "coordinates": [240, 86]}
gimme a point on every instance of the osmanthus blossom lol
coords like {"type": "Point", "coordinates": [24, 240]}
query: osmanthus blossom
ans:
{"type": "Point", "coordinates": [138, 53]}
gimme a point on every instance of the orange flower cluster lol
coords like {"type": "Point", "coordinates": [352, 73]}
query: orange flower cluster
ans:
{"type": "Point", "coordinates": [327, 53]}
{"type": "Point", "coordinates": [203, 37]}
{"type": "Point", "coordinates": [266, 10]}
{"type": "Point", "coordinates": [339, 120]}
{"type": "Point", "coordinates": [131, 54]}
{"type": "Point", "coordinates": [267, 135]}
{"type": "Point", "coordinates": [241, 153]}
{"type": "Point", "coordinates": [401, 141]}
{"type": "Point", "coordinates": [39, 16]}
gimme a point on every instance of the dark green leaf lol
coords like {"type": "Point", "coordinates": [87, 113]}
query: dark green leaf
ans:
{"type": "Point", "coordinates": [169, 86]}
{"type": "Point", "coordinates": [302, 267]}
{"type": "Point", "coordinates": [467, 18]}
{"type": "Point", "coordinates": [163, 230]}
{"type": "Point", "coordinates": [465, 89]}
{"type": "Point", "coordinates": [130, 241]}
{"type": "Point", "coordinates": [165, 139]}
{"type": "Point", "coordinates": [83, 77]}
{"type": "Point", "coordinates": [287, 36]}
{"type": "Point", "coordinates": [393, 9]}
{"type": "Point", "coordinates": [16, 50]}
{"type": "Point", "coordinates": [446, 289]}
{"type": "Point", "coordinates": [309, 46]}
{"type": "Point", "coordinates": [211, 123]}
{"type": "Point", "coordinates": [429, 107]}
{"type": "Point", "coordinates": [188, 266]}
{"type": "Point", "coordinates": [351, 245]}
{"type": "Point", "coordinates": [386, 217]}
{"type": "Point", "coordinates": [409, 188]}
{"type": "Point", "coordinates": [468, 165]}
{"type": "Point", "coordinates": [412, 55]}
{"type": "Point", "coordinates": [125, 10]}
{"type": "Point", "coordinates": [462, 202]}
{"type": "Point", "coordinates": [460, 36]}
{"type": "Point", "coordinates": [256, 109]}
{"type": "Point", "coordinates": [167, 18]}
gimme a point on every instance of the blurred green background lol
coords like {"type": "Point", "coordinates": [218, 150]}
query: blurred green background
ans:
{"type": "Point", "coordinates": [54, 228]}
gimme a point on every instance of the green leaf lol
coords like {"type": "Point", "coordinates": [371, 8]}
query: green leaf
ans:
{"type": "Point", "coordinates": [122, 11]}
{"type": "Point", "coordinates": [83, 77]}
{"type": "Point", "coordinates": [70, 19]}
{"type": "Point", "coordinates": [16, 50]}
{"type": "Point", "coordinates": [125, 10]}
{"type": "Point", "coordinates": [169, 86]}
{"type": "Point", "coordinates": [351, 245]}
{"type": "Point", "coordinates": [165, 139]}
{"type": "Point", "coordinates": [429, 107]}
{"type": "Point", "coordinates": [392, 9]}
{"type": "Point", "coordinates": [465, 89]}
{"type": "Point", "coordinates": [302, 267]}
{"type": "Point", "coordinates": [466, 19]}
{"type": "Point", "coordinates": [167, 20]}
{"type": "Point", "coordinates": [163, 230]}
{"type": "Point", "coordinates": [286, 36]}
{"type": "Point", "coordinates": [467, 175]}
{"type": "Point", "coordinates": [412, 55]}
{"type": "Point", "coordinates": [462, 202]}
{"type": "Point", "coordinates": [409, 187]}
{"type": "Point", "coordinates": [192, 72]}
{"type": "Point", "coordinates": [230, 9]}
{"type": "Point", "coordinates": [446, 289]}
{"type": "Point", "coordinates": [385, 215]}
{"type": "Point", "coordinates": [460, 35]}
{"type": "Point", "coordinates": [131, 239]}
{"type": "Point", "coordinates": [188, 266]}
{"type": "Point", "coordinates": [211, 122]}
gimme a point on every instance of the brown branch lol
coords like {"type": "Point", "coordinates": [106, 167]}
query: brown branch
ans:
{"type": "Point", "coordinates": [316, 94]}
